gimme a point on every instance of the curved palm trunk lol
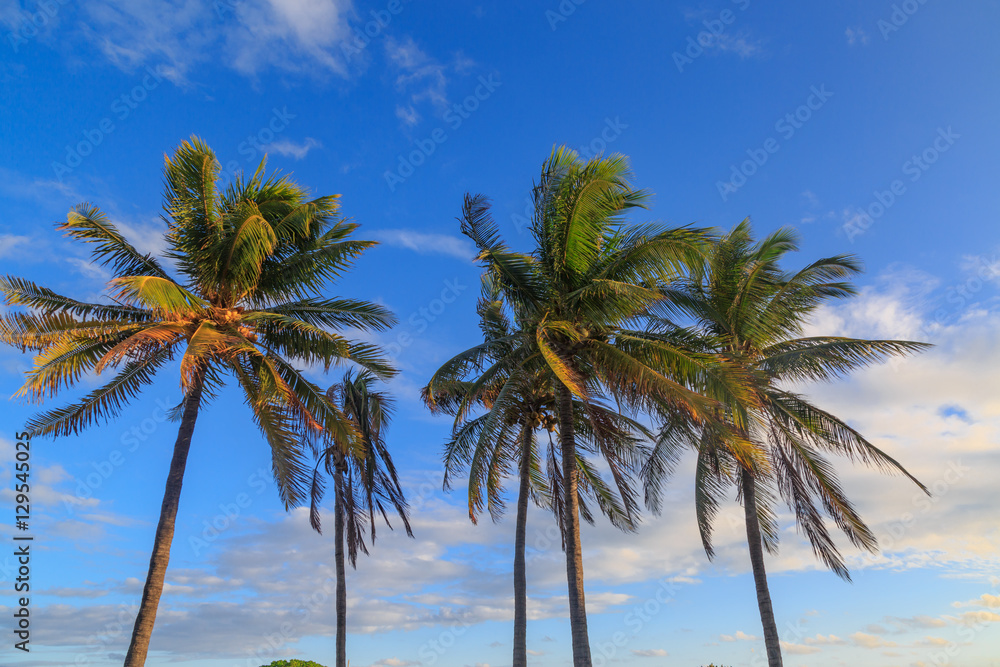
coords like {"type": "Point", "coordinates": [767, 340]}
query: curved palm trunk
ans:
{"type": "Point", "coordinates": [520, 581]}
{"type": "Point", "coordinates": [771, 641]}
{"type": "Point", "coordinates": [143, 630]}
{"type": "Point", "coordinates": [571, 526]}
{"type": "Point", "coordinates": [338, 490]}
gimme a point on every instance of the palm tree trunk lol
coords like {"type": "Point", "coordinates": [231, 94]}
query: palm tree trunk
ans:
{"type": "Point", "coordinates": [143, 630]}
{"type": "Point", "coordinates": [571, 526]}
{"type": "Point", "coordinates": [338, 490]}
{"type": "Point", "coordinates": [771, 641]}
{"type": "Point", "coordinates": [520, 582]}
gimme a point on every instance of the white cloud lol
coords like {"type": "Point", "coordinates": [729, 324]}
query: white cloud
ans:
{"type": "Point", "coordinates": [984, 600]}
{"type": "Point", "coordinates": [290, 34]}
{"type": "Point", "coordinates": [11, 244]}
{"type": "Point", "coordinates": [933, 641]}
{"type": "Point", "coordinates": [739, 636]}
{"type": "Point", "coordinates": [250, 35]}
{"type": "Point", "coordinates": [870, 641]}
{"type": "Point", "coordinates": [798, 649]}
{"type": "Point", "coordinates": [89, 269]}
{"type": "Point", "coordinates": [147, 237]}
{"type": "Point", "coordinates": [936, 412]}
{"type": "Point", "coordinates": [425, 243]}
{"type": "Point", "coordinates": [976, 618]}
{"type": "Point", "coordinates": [405, 584]}
{"type": "Point", "coordinates": [650, 652]}
{"type": "Point", "coordinates": [832, 640]}
{"type": "Point", "coordinates": [289, 148]}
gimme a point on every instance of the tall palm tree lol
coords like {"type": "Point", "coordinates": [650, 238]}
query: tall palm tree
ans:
{"type": "Point", "coordinates": [580, 295]}
{"type": "Point", "coordinates": [490, 457]}
{"type": "Point", "coordinates": [365, 482]}
{"type": "Point", "coordinates": [752, 314]}
{"type": "Point", "coordinates": [252, 261]}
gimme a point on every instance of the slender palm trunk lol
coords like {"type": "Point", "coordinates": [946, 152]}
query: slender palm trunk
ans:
{"type": "Point", "coordinates": [338, 490]}
{"type": "Point", "coordinates": [571, 525]}
{"type": "Point", "coordinates": [143, 630]}
{"type": "Point", "coordinates": [759, 575]}
{"type": "Point", "coordinates": [520, 581]}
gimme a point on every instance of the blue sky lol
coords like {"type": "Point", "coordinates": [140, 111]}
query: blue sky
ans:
{"type": "Point", "coordinates": [868, 126]}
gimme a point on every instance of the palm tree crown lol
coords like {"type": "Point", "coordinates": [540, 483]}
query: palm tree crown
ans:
{"type": "Point", "coordinates": [252, 261]}
{"type": "Point", "coordinates": [365, 481]}
{"type": "Point", "coordinates": [579, 299]}
{"type": "Point", "coordinates": [751, 313]}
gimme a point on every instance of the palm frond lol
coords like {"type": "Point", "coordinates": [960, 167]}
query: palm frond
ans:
{"type": "Point", "coordinates": [100, 405]}
{"type": "Point", "coordinates": [110, 248]}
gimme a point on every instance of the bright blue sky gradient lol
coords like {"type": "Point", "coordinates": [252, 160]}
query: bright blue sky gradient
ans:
{"type": "Point", "coordinates": [826, 109]}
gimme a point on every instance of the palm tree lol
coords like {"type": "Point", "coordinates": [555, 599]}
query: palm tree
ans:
{"type": "Point", "coordinates": [365, 482]}
{"type": "Point", "coordinates": [588, 282]}
{"type": "Point", "coordinates": [490, 457]}
{"type": "Point", "coordinates": [752, 314]}
{"type": "Point", "coordinates": [252, 262]}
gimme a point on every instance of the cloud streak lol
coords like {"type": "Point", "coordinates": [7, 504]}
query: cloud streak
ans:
{"type": "Point", "coordinates": [427, 243]}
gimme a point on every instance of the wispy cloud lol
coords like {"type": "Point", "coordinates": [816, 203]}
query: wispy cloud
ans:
{"type": "Point", "coordinates": [50, 193]}
{"type": "Point", "coordinates": [650, 652]}
{"type": "Point", "coordinates": [419, 74]}
{"type": "Point", "coordinates": [89, 269]}
{"type": "Point", "coordinates": [289, 148]}
{"type": "Point", "coordinates": [740, 44]}
{"type": "Point", "coordinates": [246, 35]}
{"type": "Point", "coordinates": [408, 115]}
{"type": "Point", "coordinates": [423, 78]}
{"type": "Point", "coordinates": [427, 244]}
{"type": "Point", "coordinates": [148, 237]}
{"type": "Point", "coordinates": [174, 34]}
{"type": "Point", "coordinates": [11, 244]}
{"type": "Point", "coordinates": [856, 35]}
